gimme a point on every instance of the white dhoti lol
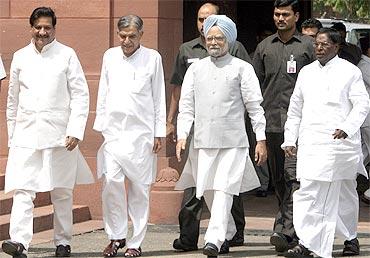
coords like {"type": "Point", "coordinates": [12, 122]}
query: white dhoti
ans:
{"type": "Point", "coordinates": [221, 224]}
{"type": "Point", "coordinates": [117, 207]}
{"type": "Point", "coordinates": [322, 210]}
{"type": "Point", "coordinates": [21, 219]}
{"type": "Point", "coordinates": [229, 170]}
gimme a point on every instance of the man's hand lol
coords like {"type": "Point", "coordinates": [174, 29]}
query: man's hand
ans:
{"type": "Point", "coordinates": [170, 131]}
{"type": "Point", "coordinates": [180, 146]}
{"type": "Point", "coordinates": [339, 134]}
{"type": "Point", "coordinates": [71, 142]}
{"type": "Point", "coordinates": [157, 145]}
{"type": "Point", "coordinates": [260, 154]}
{"type": "Point", "coordinates": [290, 151]}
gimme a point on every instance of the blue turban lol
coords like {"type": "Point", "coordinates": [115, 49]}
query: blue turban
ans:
{"type": "Point", "coordinates": [224, 23]}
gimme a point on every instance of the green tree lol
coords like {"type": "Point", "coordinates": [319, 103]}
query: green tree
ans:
{"type": "Point", "coordinates": [347, 9]}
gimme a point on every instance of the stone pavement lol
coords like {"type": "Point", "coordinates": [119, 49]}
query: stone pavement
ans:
{"type": "Point", "coordinates": [158, 241]}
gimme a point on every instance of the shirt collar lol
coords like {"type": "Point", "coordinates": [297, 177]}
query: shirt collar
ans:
{"type": "Point", "coordinates": [137, 51]}
{"type": "Point", "coordinates": [45, 48]}
{"type": "Point", "coordinates": [197, 42]}
{"type": "Point", "coordinates": [296, 36]}
{"type": "Point", "coordinates": [222, 58]}
{"type": "Point", "coordinates": [330, 62]}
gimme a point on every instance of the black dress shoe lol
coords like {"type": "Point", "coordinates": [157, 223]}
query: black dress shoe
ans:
{"type": "Point", "coordinates": [63, 251]}
{"type": "Point", "coordinates": [14, 249]}
{"type": "Point", "coordinates": [351, 247]}
{"type": "Point", "coordinates": [280, 242]}
{"type": "Point", "coordinates": [238, 239]}
{"type": "Point", "coordinates": [261, 193]}
{"type": "Point", "coordinates": [299, 251]}
{"type": "Point", "coordinates": [210, 250]}
{"type": "Point", "coordinates": [225, 248]}
{"type": "Point", "coordinates": [179, 245]}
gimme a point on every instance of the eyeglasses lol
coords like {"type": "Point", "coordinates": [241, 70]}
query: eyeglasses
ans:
{"type": "Point", "coordinates": [322, 44]}
{"type": "Point", "coordinates": [39, 27]}
{"type": "Point", "coordinates": [218, 39]}
{"type": "Point", "coordinates": [201, 19]}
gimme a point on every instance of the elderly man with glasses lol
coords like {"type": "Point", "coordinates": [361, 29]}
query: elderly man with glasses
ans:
{"type": "Point", "coordinates": [214, 95]}
{"type": "Point", "coordinates": [326, 110]}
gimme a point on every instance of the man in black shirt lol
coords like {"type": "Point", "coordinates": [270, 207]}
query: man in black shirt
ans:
{"type": "Point", "coordinates": [277, 61]}
{"type": "Point", "coordinates": [347, 51]}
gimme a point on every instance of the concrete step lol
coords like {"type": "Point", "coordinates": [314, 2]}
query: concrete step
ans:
{"type": "Point", "coordinates": [43, 219]}
{"type": "Point", "coordinates": [78, 229]}
{"type": "Point", "coordinates": [6, 201]}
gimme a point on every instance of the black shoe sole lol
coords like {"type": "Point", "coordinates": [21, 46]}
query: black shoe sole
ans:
{"type": "Point", "coordinates": [209, 251]}
{"type": "Point", "coordinates": [180, 247]}
{"type": "Point", "coordinates": [281, 245]}
{"type": "Point", "coordinates": [11, 249]}
{"type": "Point", "coordinates": [286, 254]}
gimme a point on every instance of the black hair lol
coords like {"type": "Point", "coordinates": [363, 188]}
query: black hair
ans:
{"type": "Point", "coordinates": [339, 26]}
{"type": "Point", "coordinates": [311, 23]}
{"type": "Point", "coordinates": [43, 12]}
{"type": "Point", "coordinates": [365, 45]}
{"type": "Point", "coordinates": [332, 34]}
{"type": "Point", "coordinates": [284, 3]}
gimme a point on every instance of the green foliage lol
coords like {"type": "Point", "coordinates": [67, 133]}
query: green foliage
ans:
{"type": "Point", "coordinates": [345, 9]}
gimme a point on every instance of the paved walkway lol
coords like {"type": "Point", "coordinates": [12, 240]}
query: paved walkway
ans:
{"type": "Point", "coordinates": [158, 242]}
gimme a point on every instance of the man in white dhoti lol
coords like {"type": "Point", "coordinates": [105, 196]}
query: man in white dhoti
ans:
{"type": "Point", "coordinates": [364, 66]}
{"type": "Point", "coordinates": [326, 110]}
{"type": "Point", "coordinates": [214, 95]}
{"type": "Point", "coordinates": [47, 109]}
{"type": "Point", "coordinates": [131, 115]}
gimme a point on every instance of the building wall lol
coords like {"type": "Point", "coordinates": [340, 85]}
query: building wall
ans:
{"type": "Point", "coordinates": [89, 26]}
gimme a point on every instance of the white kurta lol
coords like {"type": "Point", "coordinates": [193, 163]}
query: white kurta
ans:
{"type": "Point", "coordinates": [364, 66]}
{"type": "Point", "coordinates": [48, 100]}
{"type": "Point", "coordinates": [2, 69]}
{"type": "Point", "coordinates": [131, 111]}
{"type": "Point", "coordinates": [326, 98]}
{"type": "Point", "coordinates": [229, 167]}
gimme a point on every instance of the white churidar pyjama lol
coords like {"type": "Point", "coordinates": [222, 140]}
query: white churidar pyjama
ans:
{"type": "Point", "coordinates": [117, 207]}
{"type": "Point", "coordinates": [218, 223]}
{"type": "Point", "coordinates": [323, 210]}
{"type": "Point", "coordinates": [21, 219]}
{"type": "Point", "coordinates": [231, 227]}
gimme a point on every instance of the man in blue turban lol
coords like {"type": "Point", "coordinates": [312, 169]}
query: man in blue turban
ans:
{"type": "Point", "coordinates": [215, 93]}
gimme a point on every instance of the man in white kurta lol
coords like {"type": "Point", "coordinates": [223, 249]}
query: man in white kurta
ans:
{"type": "Point", "coordinates": [326, 110]}
{"type": "Point", "coordinates": [131, 115]}
{"type": "Point", "coordinates": [215, 92]}
{"type": "Point", "coordinates": [47, 109]}
{"type": "Point", "coordinates": [364, 66]}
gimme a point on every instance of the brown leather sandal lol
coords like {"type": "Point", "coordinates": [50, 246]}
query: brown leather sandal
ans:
{"type": "Point", "coordinates": [133, 252]}
{"type": "Point", "coordinates": [112, 249]}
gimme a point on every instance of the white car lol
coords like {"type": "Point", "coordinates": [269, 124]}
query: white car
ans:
{"type": "Point", "coordinates": [355, 31]}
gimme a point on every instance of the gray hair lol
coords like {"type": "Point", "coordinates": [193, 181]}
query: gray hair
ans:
{"type": "Point", "coordinates": [130, 20]}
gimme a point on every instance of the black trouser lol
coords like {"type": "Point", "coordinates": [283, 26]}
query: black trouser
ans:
{"type": "Point", "coordinates": [283, 173]}
{"type": "Point", "coordinates": [190, 214]}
